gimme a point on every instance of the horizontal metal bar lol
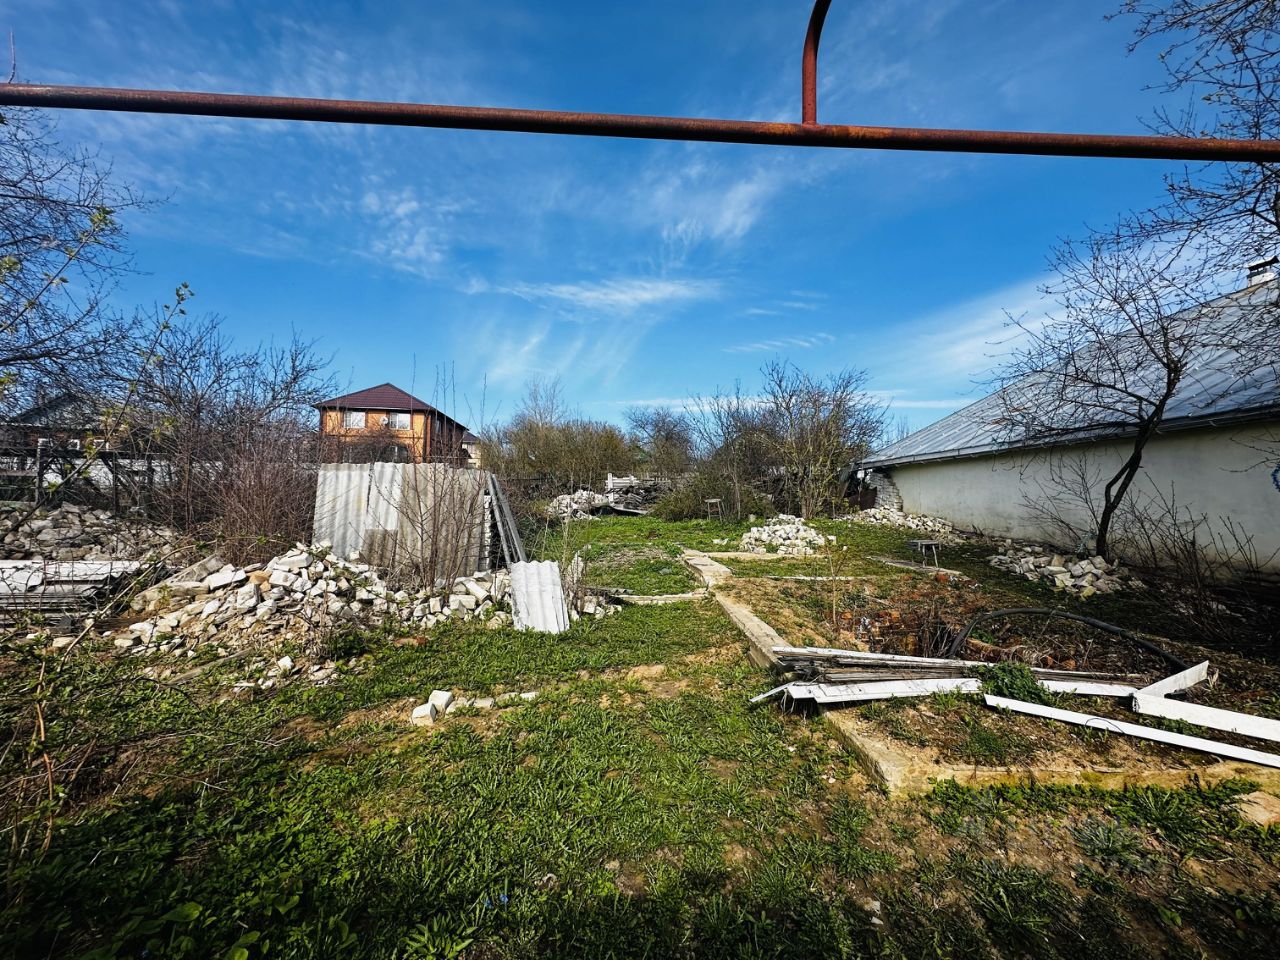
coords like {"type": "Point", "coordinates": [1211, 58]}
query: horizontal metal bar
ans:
{"type": "Point", "coordinates": [634, 126]}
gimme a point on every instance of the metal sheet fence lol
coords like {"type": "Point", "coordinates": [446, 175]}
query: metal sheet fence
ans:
{"type": "Point", "coordinates": [423, 521]}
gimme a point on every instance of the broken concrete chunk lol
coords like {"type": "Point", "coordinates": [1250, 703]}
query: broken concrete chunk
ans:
{"type": "Point", "coordinates": [424, 715]}
{"type": "Point", "coordinates": [441, 699]}
{"type": "Point", "coordinates": [224, 578]}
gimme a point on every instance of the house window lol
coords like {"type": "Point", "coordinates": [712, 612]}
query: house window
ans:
{"type": "Point", "coordinates": [353, 419]}
{"type": "Point", "coordinates": [400, 421]}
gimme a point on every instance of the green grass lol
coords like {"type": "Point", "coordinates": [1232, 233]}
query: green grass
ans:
{"type": "Point", "coordinates": [644, 569]}
{"type": "Point", "coordinates": [569, 827]}
{"type": "Point", "coordinates": [624, 813]}
{"type": "Point", "coordinates": [639, 531]}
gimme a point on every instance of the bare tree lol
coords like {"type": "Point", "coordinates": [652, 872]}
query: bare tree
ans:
{"type": "Point", "coordinates": [816, 427]}
{"type": "Point", "coordinates": [545, 441]}
{"type": "Point", "coordinates": [208, 410]}
{"type": "Point", "coordinates": [732, 449]}
{"type": "Point", "coordinates": [1226, 55]}
{"type": "Point", "coordinates": [60, 255]}
{"type": "Point", "coordinates": [664, 437]}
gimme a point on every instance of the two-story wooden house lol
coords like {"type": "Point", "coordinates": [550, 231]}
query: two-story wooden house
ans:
{"type": "Point", "coordinates": [385, 423]}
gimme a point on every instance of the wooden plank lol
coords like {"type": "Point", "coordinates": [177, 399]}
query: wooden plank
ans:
{"type": "Point", "coordinates": [881, 690]}
{"type": "Point", "coordinates": [829, 653]}
{"type": "Point", "coordinates": [1212, 717]}
{"type": "Point", "coordinates": [1137, 730]}
{"type": "Point", "coordinates": [1178, 681]}
{"type": "Point", "coordinates": [922, 664]}
{"type": "Point", "coordinates": [1087, 688]}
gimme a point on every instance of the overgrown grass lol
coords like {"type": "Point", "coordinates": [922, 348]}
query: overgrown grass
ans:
{"type": "Point", "coordinates": [640, 807]}
{"type": "Point", "coordinates": [639, 531]}
{"type": "Point", "coordinates": [578, 825]}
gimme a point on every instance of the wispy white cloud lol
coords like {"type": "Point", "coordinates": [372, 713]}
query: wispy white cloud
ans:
{"type": "Point", "coordinates": [620, 296]}
{"type": "Point", "coordinates": [896, 401]}
{"type": "Point", "coordinates": [963, 340]}
{"type": "Point", "coordinates": [781, 344]}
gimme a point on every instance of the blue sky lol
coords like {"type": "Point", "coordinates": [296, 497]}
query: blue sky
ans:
{"type": "Point", "coordinates": [638, 272]}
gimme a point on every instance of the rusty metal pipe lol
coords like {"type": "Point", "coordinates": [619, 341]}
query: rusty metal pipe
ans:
{"type": "Point", "coordinates": [809, 63]}
{"type": "Point", "coordinates": [635, 126]}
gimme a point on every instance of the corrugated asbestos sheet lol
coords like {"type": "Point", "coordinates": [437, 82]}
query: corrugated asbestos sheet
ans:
{"type": "Point", "coordinates": [429, 518]}
{"type": "Point", "coordinates": [1213, 389]}
{"type": "Point", "coordinates": [537, 597]}
{"type": "Point", "coordinates": [59, 585]}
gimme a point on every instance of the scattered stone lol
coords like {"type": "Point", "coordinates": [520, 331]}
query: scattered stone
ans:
{"type": "Point", "coordinates": [576, 506]}
{"type": "Point", "coordinates": [1082, 576]}
{"type": "Point", "coordinates": [440, 699]}
{"type": "Point", "coordinates": [72, 532]}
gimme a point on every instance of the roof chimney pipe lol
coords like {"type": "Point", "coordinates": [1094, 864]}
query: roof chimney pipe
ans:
{"type": "Point", "coordinates": [1262, 271]}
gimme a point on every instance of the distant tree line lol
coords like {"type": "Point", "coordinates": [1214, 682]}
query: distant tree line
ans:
{"type": "Point", "coordinates": [788, 445]}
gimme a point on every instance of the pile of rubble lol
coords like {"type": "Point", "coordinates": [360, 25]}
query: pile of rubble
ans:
{"type": "Point", "coordinates": [291, 599]}
{"type": "Point", "coordinates": [72, 532]}
{"type": "Point", "coordinates": [576, 506]}
{"type": "Point", "coordinates": [783, 534]}
{"type": "Point", "coordinates": [937, 528]}
{"type": "Point", "coordinates": [300, 604]}
{"type": "Point", "coordinates": [1082, 577]}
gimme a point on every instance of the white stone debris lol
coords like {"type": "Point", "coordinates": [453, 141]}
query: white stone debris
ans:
{"type": "Point", "coordinates": [443, 703]}
{"type": "Point", "coordinates": [72, 532]}
{"type": "Point", "coordinates": [1081, 576]}
{"type": "Point", "coordinates": [937, 528]}
{"type": "Point", "coordinates": [290, 611]}
{"type": "Point", "coordinates": [783, 534]}
{"type": "Point", "coordinates": [424, 714]}
{"type": "Point", "coordinates": [576, 506]}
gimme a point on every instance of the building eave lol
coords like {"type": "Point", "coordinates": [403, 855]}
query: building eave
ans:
{"type": "Point", "coordinates": [1207, 421]}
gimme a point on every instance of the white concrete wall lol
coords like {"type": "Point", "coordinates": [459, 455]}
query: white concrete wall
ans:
{"type": "Point", "coordinates": [1216, 472]}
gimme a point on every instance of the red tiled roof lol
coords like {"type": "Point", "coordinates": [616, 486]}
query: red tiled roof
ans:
{"type": "Point", "coordinates": [386, 396]}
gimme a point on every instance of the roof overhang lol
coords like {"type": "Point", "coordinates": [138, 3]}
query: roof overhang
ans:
{"type": "Point", "coordinates": [1206, 422]}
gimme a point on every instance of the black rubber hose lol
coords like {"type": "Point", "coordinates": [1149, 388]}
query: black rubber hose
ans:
{"type": "Point", "coordinates": [958, 644]}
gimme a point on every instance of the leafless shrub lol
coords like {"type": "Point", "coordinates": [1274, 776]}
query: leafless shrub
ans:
{"type": "Point", "coordinates": [443, 532]}
{"type": "Point", "coordinates": [663, 439]}
{"type": "Point", "coordinates": [814, 428]}
{"type": "Point", "coordinates": [222, 425]}
{"type": "Point", "coordinates": [264, 498]}
{"type": "Point", "coordinates": [547, 443]}
{"type": "Point", "coordinates": [1206, 568]}
{"type": "Point", "coordinates": [793, 441]}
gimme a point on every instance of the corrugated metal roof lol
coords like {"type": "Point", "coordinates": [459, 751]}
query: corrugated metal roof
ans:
{"type": "Point", "coordinates": [537, 597]}
{"type": "Point", "coordinates": [1212, 391]}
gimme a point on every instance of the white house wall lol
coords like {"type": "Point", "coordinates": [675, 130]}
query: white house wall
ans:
{"type": "Point", "coordinates": [1222, 472]}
